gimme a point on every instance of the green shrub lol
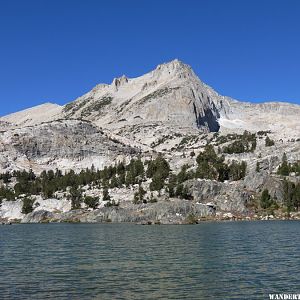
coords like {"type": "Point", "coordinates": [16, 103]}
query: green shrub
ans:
{"type": "Point", "coordinates": [139, 196]}
{"type": "Point", "coordinates": [111, 203]}
{"type": "Point", "coordinates": [191, 219]}
{"type": "Point", "coordinates": [237, 170]}
{"type": "Point", "coordinates": [245, 143]}
{"type": "Point", "coordinates": [91, 202]}
{"type": "Point", "coordinates": [286, 168]}
{"type": "Point", "coordinates": [27, 206]}
{"type": "Point", "coordinates": [269, 142]}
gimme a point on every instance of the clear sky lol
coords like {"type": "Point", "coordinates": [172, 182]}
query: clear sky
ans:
{"type": "Point", "coordinates": [56, 50]}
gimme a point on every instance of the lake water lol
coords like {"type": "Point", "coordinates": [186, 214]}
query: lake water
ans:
{"type": "Point", "coordinates": [234, 260]}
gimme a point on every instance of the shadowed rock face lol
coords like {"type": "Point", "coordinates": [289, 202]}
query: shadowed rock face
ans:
{"type": "Point", "coordinates": [208, 120]}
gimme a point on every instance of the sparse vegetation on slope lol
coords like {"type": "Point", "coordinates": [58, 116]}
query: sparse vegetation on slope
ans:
{"type": "Point", "coordinates": [211, 166]}
{"type": "Point", "coordinates": [243, 143]}
{"type": "Point", "coordinates": [286, 168]}
{"type": "Point", "coordinates": [96, 106]}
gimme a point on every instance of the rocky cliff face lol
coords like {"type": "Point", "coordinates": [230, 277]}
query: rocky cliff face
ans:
{"type": "Point", "coordinates": [65, 144]}
{"type": "Point", "coordinates": [280, 118]}
{"type": "Point", "coordinates": [171, 94]}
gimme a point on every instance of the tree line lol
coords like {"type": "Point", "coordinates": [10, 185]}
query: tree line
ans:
{"type": "Point", "coordinates": [158, 171]}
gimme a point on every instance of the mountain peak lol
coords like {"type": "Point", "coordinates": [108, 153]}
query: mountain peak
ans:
{"type": "Point", "coordinates": [174, 64]}
{"type": "Point", "coordinates": [175, 68]}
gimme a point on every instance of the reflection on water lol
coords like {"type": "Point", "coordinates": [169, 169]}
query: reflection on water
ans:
{"type": "Point", "coordinates": [239, 260]}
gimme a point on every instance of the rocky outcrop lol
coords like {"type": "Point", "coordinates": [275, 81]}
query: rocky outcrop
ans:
{"type": "Point", "coordinates": [61, 144]}
{"type": "Point", "coordinates": [163, 212]}
{"type": "Point", "coordinates": [280, 118]}
{"type": "Point", "coordinates": [11, 210]}
{"type": "Point", "coordinates": [225, 196]}
{"type": "Point", "coordinates": [40, 216]}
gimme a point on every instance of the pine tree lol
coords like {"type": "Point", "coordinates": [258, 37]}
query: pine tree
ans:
{"type": "Point", "coordinates": [157, 182]}
{"type": "Point", "coordinates": [139, 196]}
{"type": "Point", "coordinates": [288, 192]}
{"type": "Point", "coordinates": [186, 194]}
{"type": "Point", "coordinates": [265, 201]}
{"type": "Point", "coordinates": [257, 169]}
{"type": "Point", "coordinates": [106, 196]}
{"type": "Point", "coordinates": [158, 166]}
{"type": "Point", "coordinates": [27, 206]}
{"type": "Point", "coordinates": [114, 182]}
{"type": "Point", "coordinates": [172, 185]}
{"type": "Point", "coordinates": [237, 170]}
{"type": "Point", "coordinates": [91, 202]}
{"type": "Point", "coordinates": [76, 197]}
{"type": "Point", "coordinates": [284, 168]}
{"type": "Point", "coordinates": [296, 196]}
{"type": "Point", "coordinates": [179, 190]}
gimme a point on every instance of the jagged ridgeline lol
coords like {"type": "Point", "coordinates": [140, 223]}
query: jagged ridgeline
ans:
{"type": "Point", "coordinates": [163, 143]}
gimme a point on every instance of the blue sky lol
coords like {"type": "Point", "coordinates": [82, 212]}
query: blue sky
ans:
{"type": "Point", "coordinates": [54, 51]}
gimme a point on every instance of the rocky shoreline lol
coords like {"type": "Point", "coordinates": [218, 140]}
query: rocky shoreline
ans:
{"type": "Point", "coordinates": [164, 212]}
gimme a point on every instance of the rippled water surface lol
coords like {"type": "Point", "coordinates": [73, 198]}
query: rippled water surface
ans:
{"type": "Point", "coordinates": [239, 260]}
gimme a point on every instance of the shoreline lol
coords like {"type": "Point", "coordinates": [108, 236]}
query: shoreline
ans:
{"type": "Point", "coordinates": [200, 221]}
